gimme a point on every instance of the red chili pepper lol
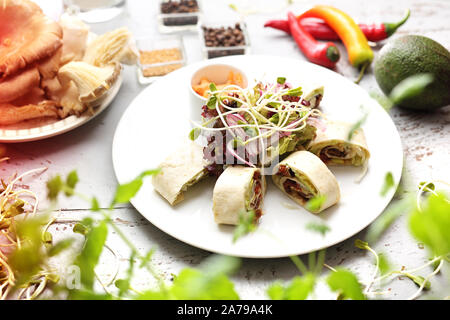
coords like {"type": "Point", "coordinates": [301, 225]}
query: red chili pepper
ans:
{"type": "Point", "coordinates": [321, 31]}
{"type": "Point", "coordinates": [324, 54]}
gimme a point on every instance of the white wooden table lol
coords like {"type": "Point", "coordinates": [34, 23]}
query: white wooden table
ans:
{"type": "Point", "coordinates": [425, 137]}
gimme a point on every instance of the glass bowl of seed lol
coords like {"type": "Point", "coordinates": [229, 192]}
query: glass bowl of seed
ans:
{"type": "Point", "coordinates": [159, 56]}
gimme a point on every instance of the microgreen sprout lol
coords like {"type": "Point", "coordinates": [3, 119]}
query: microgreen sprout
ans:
{"type": "Point", "coordinates": [22, 238]}
{"type": "Point", "coordinates": [246, 224]}
{"type": "Point", "coordinates": [265, 110]}
{"type": "Point", "coordinates": [194, 134]}
{"type": "Point", "coordinates": [406, 89]}
{"type": "Point", "coordinates": [365, 246]}
{"type": "Point", "coordinates": [26, 271]}
{"type": "Point", "coordinates": [320, 228]}
{"type": "Point", "coordinates": [388, 184]}
{"type": "Point", "coordinates": [281, 80]}
{"type": "Point", "coordinates": [358, 124]}
{"type": "Point", "coordinates": [410, 87]}
{"type": "Point", "coordinates": [346, 284]}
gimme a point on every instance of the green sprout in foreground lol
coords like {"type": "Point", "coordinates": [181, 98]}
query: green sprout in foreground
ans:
{"type": "Point", "coordinates": [210, 280]}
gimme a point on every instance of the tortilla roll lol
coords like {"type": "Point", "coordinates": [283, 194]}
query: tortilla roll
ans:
{"type": "Point", "coordinates": [313, 97]}
{"type": "Point", "coordinates": [303, 176]}
{"type": "Point", "coordinates": [333, 147]}
{"type": "Point", "coordinates": [181, 170]}
{"type": "Point", "coordinates": [238, 189]}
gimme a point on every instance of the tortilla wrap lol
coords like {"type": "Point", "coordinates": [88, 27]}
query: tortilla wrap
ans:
{"type": "Point", "coordinates": [333, 147]}
{"type": "Point", "coordinates": [182, 169]}
{"type": "Point", "coordinates": [313, 96]}
{"type": "Point", "coordinates": [237, 191]}
{"type": "Point", "coordinates": [303, 176]}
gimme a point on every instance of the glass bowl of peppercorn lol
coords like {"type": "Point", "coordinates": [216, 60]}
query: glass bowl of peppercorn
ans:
{"type": "Point", "coordinates": [223, 38]}
{"type": "Point", "coordinates": [178, 15]}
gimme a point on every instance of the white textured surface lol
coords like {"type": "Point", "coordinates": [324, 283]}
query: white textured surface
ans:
{"type": "Point", "coordinates": [425, 139]}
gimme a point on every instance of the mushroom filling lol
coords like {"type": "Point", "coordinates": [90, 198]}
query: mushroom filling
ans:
{"type": "Point", "coordinates": [340, 154]}
{"type": "Point", "coordinates": [293, 185]}
{"type": "Point", "coordinates": [256, 194]}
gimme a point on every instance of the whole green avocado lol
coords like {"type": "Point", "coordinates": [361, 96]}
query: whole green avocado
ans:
{"type": "Point", "coordinates": [409, 55]}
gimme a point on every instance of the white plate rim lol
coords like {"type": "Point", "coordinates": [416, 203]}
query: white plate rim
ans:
{"type": "Point", "coordinates": [62, 126]}
{"type": "Point", "coordinates": [386, 199]}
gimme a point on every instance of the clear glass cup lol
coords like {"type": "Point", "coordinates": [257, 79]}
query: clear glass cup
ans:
{"type": "Point", "coordinates": [178, 22]}
{"type": "Point", "coordinates": [215, 52]}
{"type": "Point", "coordinates": [147, 73]}
{"type": "Point", "coordinates": [93, 11]}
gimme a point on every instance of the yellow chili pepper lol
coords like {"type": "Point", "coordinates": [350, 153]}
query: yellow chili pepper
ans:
{"type": "Point", "coordinates": [359, 52]}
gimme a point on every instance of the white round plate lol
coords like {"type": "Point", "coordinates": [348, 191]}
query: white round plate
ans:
{"type": "Point", "coordinates": [39, 129]}
{"type": "Point", "coordinates": [159, 118]}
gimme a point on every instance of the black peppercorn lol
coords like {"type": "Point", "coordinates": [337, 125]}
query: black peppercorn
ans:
{"type": "Point", "coordinates": [224, 37]}
{"type": "Point", "coordinates": [181, 6]}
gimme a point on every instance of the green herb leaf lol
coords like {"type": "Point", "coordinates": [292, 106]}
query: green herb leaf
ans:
{"type": "Point", "coordinates": [357, 125]}
{"type": "Point", "coordinates": [388, 217]}
{"type": "Point", "coordinates": [246, 224]}
{"type": "Point", "coordinates": [384, 101]}
{"type": "Point", "coordinates": [383, 264]}
{"type": "Point", "coordinates": [276, 291]}
{"type": "Point", "coordinates": [126, 192]}
{"type": "Point", "coordinates": [299, 288]}
{"type": "Point", "coordinates": [195, 133]}
{"type": "Point", "coordinates": [296, 92]}
{"type": "Point", "coordinates": [431, 225]}
{"type": "Point", "coordinates": [27, 260]}
{"type": "Point", "coordinates": [233, 7]}
{"type": "Point", "coordinates": [90, 254]}
{"type": "Point", "coordinates": [191, 284]}
{"type": "Point", "coordinates": [212, 101]}
{"type": "Point", "coordinates": [88, 295]}
{"type": "Point", "coordinates": [410, 87]}
{"type": "Point", "coordinates": [218, 264]}
{"type": "Point", "coordinates": [281, 80]}
{"type": "Point", "coordinates": [346, 284]}
{"type": "Point", "coordinates": [212, 87]}
{"type": "Point", "coordinates": [275, 105]}
{"type": "Point", "coordinates": [72, 179]}
{"type": "Point", "coordinates": [319, 228]}
{"type": "Point", "coordinates": [54, 186]}
{"type": "Point", "coordinates": [122, 284]}
{"type": "Point", "coordinates": [95, 206]}
{"type": "Point", "coordinates": [60, 247]}
{"type": "Point", "coordinates": [388, 184]}
{"type": "Point", "coordinates": [147, 258]}
{"type": "Point", "coordinates": [275, 118]}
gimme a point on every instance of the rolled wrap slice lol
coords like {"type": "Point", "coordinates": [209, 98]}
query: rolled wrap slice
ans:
{"type": "Point", "coordinates": [303, 176]}
{"type": "Point", "coordinates": [333, 147]}
{"type": "Point", "coordinates": [238, 189]}
{"type": "Point", "coordinates": [179, 171]}
{"type": "Point", "coordinates": [312, 97]}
